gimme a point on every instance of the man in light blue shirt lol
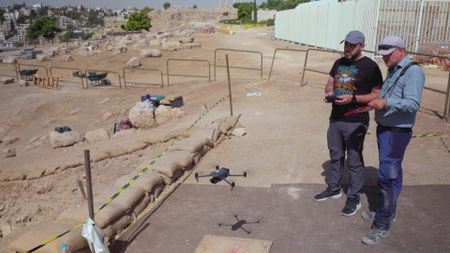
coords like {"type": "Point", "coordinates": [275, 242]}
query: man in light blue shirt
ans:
{"type": "Point", "coordinates": [395, 114]}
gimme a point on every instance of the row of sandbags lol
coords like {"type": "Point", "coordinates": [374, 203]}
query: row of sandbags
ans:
{"type": "Point", "coordinates": [143, 192]}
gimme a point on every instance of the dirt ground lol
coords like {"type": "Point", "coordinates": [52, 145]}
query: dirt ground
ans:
{"type": "Point", "coordinates": [286, 126]}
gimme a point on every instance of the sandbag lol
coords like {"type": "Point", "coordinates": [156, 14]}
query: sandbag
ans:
{"type": "Point", "coordinates": [109, 213]}
{"type": "Point", "coordinates": [150, 182]}
{"type": "Point", "coordinates": [142, 205]}
{"type": "Point", "coordinates": [228, 123]}
{"type": "Point", "coordinates": [136, 147]}
{"type": "Point", "coordinates": [116, 151]}
{"type": "Point", "coordinates": [12, 175]}
{"type": "Point", "coordinates": [200, 133]}
{"type": "Point", "coordinates": [40, 233]}
{"type": "Point", "coordinates": [117, 226]}
{"type": "Point", "coordinates": [81, 213]}
{"type": "Point", "coordinates": [192, 145]}
{"type": "Point", "coordinates": [182, 158]}
{"type": "Point", "coordinates": [170, 170]}
{"type": "Point", "coordinates": [36, 173]}
{"type": "Point", "coordinates": [129, 197]}
{"type": "Point", "coordinates": [99, 156]}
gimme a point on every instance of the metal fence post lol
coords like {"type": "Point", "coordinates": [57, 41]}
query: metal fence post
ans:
{"type": "Point", "coordinates": [419, 25]}
{"type": "Point", "coordinates": [229, 85]}
{"type": "Point", "coordinates": [447, 100]}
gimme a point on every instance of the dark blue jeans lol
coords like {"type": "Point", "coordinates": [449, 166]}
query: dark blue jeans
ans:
{"type": "Point", "coordinates": [391, 146]}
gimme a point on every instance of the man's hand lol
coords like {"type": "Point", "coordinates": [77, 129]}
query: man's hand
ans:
{"type": "Point", "coordinates": [378, 104]}
{"type": "Point", "coordinates": [326, 95]}
{"type": "Point", "coordinates": [344, 99]}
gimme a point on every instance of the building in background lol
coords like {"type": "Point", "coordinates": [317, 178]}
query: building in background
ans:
{"type": "Point", "coordinates": [65, 22]}
{"type": "Point", "coordinates": [22, 32]}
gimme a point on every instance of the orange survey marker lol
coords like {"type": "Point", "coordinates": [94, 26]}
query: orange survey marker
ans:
{"type": "Point", "coordinates": [46, 82]}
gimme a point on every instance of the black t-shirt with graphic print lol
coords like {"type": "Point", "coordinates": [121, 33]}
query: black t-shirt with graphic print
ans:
{"type": "Point", "coordinates": [354, 77]}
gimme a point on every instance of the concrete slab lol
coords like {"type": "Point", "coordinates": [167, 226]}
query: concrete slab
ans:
{"type": "Point", "coordinates": [289, 217]}
{"type": "Point", "coordinates": [226, 244]}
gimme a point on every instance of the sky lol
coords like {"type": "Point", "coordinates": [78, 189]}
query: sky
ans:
{"type": "Point", "coordinates": [113, 4]}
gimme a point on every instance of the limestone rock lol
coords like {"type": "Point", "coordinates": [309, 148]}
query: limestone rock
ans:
{"type": "Point", "coordinates": [64, 139]}
{"type": "Point", "coordinates": [166, 113]}
{"type": "Point", "coordinates": [10, 60]}
{"type": "Point", "coordinates": [107, 115]}
{"type": "Point", "coordinates": [96, 135]}
{"type": "Point", "coordinates": [51, 52]}
{"type": "Point", "coordinates": [142, 117]}
{"type": "Point", "coordinates": [171, 46]}
{"type": "Point", "coordinates": [134, 62]}
{"type": "Point", "coordinates": [42, 57]}
{"type": "Point", "coordinates": [63, 50]}
{"type": "Point", "coordinates": [187, 40]}
{"type": "Point", "coordinates": [6, 80]}
{"type": "Point", "coordinates": [155, 43]}
{"type": "Point", "coordinates": [142, 44]}
{"type": "Point", "coordinates": [119, 50]}
{"type": "Point", "coordinates": [9, 152]}
{"type": "Point", "coordinates": [150, 53]}
{"type": "Point", "coordinates": [191, 45]}
{"type": "Point", "coordinates": [67, 58]}
{"type": "Point", "coordinates": [24, 83]}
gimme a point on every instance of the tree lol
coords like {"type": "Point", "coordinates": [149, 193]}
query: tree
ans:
{"type": "Point", "coordinates": [2, 18]}
{"type": "Point", "coordinates": [94, 19]}
{"type": "Point", "coordinates": [245, 11]}
{"type": "Point", "coordinates": [166, 5]}
{"type": "Point", "coordinates": [44, 26]}
{"type": "Point", "coordinates": [281, 4]}
{"type": "Point", "coordinates": [138, 21]}
{"type": "Point", "coordinates": [147, 10]}
{"type": "Point", "coordinates": [195, 6]}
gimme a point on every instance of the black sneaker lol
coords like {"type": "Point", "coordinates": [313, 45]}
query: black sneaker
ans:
{"type": "Point", "coordinates": [327, 194]}
{"type": "Point", "coordinates": [351, 207]}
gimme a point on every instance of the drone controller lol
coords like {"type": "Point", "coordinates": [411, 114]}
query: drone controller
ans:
{"type": "Point", "coordinates": [331, 98]}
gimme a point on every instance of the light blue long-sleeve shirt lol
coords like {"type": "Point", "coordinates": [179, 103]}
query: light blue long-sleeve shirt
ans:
{"type": "Point", "coordinates": [403, 100]}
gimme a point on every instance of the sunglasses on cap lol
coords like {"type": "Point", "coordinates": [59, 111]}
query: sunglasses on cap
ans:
{"type": "Point", "coordinates": [385, 47]}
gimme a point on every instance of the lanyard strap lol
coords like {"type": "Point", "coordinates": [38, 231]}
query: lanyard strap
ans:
{"type": "Point", "coordinates": [391, 89]}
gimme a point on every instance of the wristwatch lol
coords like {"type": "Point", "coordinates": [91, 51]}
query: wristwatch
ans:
{"type": "Point", "coordinates": [353, 98]}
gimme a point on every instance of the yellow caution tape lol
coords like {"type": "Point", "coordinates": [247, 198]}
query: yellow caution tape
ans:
{"type": "Point", "coordinates": [426, 135]}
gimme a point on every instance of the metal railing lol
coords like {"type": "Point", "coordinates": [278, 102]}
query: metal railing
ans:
{"type": "Point", "coordinates": [283, 49]}
{"type": "Point", "coordinates": [141, 69]}
{"type": "Point", "coordinates": [237, 67]}
{"type": "Point", "coordinates": [187, 75]}
{"type": "Point", "coordinates": [71, 69]}
{"type": "Point", "coordinates": [104, 71]}
{"type": "Point", "coordinates": [446, 112]}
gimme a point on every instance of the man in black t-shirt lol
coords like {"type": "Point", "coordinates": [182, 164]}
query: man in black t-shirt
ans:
{"type": "Point", "coordinates": [354, 81]}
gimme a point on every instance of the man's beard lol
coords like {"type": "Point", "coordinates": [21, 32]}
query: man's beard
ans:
{"type": "Point", "coordinates": [350, 56]}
